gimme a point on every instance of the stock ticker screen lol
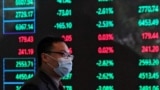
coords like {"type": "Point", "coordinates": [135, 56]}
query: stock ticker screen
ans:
{"type": "Point", "coordinates": [115, 43]}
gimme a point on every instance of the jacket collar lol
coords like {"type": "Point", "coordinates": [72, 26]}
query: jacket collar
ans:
{"type": "Point", "coordinates": [50, 84]}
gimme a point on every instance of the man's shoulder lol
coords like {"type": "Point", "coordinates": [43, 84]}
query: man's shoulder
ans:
{"type": "Point", "coordinates": [34, 80]}
{"type": "Point", "coordinates": [34, 83]}
{"type": "Point", "coordinates": [30, 87]}
{"type": "Point", "coordinates": [40, 81]}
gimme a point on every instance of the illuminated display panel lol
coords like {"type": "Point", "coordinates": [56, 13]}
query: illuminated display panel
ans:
{"type": "Point", "coordinates": [115, 42]}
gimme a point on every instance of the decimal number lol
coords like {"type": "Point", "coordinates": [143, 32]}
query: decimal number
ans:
{"type": "Point", "coordinates": [24, 14]}
{"type": "Point", "coordinates": [25, 51]}
{"type": "Point", "coordinates": [150, 49]}
{"type": "Point", "coordinates": [105, 88]}
{"type": "Point", "coordinates": [150, 35]}
{"type": "Point", "coordinates": [26, 39]}
{"type": "Point", "coordinates": [148, 75]}
{"type": "Point", "coordinates": [106, 50]}
{"type": "Point", "coordinates": [148, 9]}
{"type": "Point", "coordinates": [149, 62]}
{"type": "Point", "coordinates": [148, 22]}
{"type": "Point", "coordinates": [105, 37]}
{"type": "Point", "coordinates": [24, 2]}
{"type": "Point", "coordinates": [18, 87]}
{"type": "Point", "coordinates": [24, 64]}
{"type": "Point", "coordinates": [67, 38]}
{"type": "Point", "coordinates": [148, 87]}
{"type": "Point", "coordinates": [24, 76]}
{"type": "Point", "coordinates": [24, 27]}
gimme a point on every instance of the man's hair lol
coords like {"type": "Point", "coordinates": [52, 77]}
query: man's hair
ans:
{"type": "Point", "coordinates": [45, 45]}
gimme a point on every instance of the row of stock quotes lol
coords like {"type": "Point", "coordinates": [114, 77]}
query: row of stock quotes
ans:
{"type": "Point", "coordinates": [21, 16]}
{"type": "Point", "coordinates": [146, 35]}
{"type": "Point", "coordinates": [149, 35]}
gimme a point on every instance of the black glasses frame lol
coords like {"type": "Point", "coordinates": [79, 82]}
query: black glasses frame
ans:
{"type": "Point", "coordinates": [64, 54]}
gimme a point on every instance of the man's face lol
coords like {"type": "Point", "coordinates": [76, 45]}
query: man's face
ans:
{"type": "Point", "coordinates": [59, 50]}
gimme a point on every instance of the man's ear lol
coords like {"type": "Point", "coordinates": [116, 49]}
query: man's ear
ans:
{"type": "Point", "coordinates": [44, 57]}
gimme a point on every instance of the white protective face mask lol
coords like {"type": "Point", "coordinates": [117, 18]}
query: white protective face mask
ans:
{"type": "Point", "coordinates": [64, 66]}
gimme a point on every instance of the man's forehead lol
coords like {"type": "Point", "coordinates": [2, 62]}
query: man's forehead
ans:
{"type": "Point", "coordinates": [60, 46]}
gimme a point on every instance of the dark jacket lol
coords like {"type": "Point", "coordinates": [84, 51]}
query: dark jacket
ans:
{"type": "Point", "coordinates": [40, 81]}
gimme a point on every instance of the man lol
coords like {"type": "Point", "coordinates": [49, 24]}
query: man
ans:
{"type": "Point", "coordinates": [54, 61]}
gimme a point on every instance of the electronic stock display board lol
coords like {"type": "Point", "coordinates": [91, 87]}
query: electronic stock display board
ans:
{"type": "Point", "coordinates": [116, 43]}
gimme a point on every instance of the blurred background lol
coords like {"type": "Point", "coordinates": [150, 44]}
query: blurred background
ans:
{"type": "Point", "coordinates": [115, 42]}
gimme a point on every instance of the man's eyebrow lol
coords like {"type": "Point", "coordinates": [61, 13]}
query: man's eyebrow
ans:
{"type": "Point", "coordinates": [63, 51]}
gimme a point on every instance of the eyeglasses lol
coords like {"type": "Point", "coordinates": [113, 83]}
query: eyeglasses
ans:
{"type": "Point", "coordinates": [63, 54]}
